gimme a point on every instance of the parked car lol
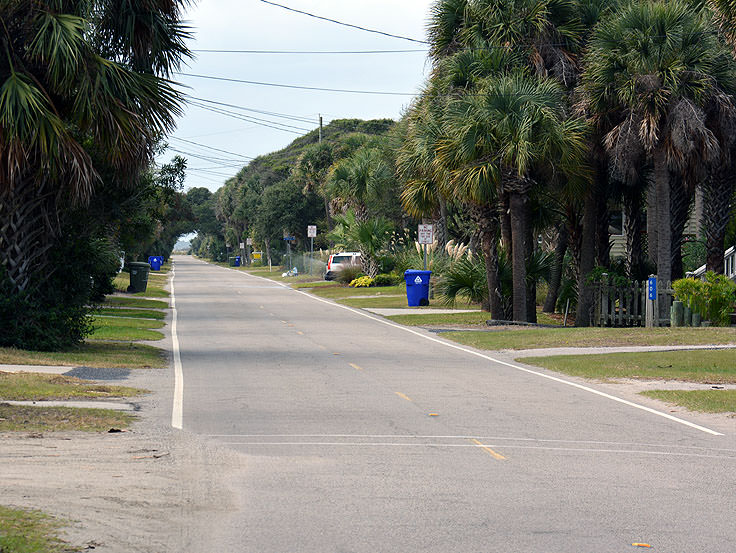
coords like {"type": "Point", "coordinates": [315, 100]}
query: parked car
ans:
{"type": "Point", "coordinates": [338, 261]}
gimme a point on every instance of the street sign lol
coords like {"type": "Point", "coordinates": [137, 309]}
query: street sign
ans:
{"type": "Point", "coordinates": [242, 245]}
{"type": "Point", "coordinates": [249, 241]}
{"type": "Point", "coordinates": [311, 231]}
{"type": "Point", "coordinates": [652, 288]}
{"type": "Point", "coordinates": [289, 238]}
{"type": "Point", "coordinates": [425, 234]}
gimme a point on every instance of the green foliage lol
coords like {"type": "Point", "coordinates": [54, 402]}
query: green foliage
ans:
{"type": "Point", "coordinates": [465, 278]}
{"type": "Point", "coordinates": [693, 255]}
{"type": "Point", "coordinates": [361, 282]}
{"type": "Point", "coordinates": [349, 273]}
{"type": "Point", "coordinates": [384, 279]}
{"type": "Point", "coordinates": [614, 276]}
{"type": "Point", "coordinates": [714, 297]}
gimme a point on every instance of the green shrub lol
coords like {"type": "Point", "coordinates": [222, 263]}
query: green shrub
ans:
{"type": "Point", "coordinates": [714, 297]}
{"type": "Point", "coordinates": [466, 277]}
{"type": "Point", "coordinates": [384, 279]}
{"type": "Point", "coordinates": [349, 273]}
{"type": "Point", "coordinates": [361, 282]}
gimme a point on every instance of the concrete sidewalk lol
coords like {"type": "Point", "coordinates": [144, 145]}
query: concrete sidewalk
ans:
{"type": "Point", "coordinates": [47, 369]}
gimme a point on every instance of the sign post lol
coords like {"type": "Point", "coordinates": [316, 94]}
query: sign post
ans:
{"type": "Point", "coordinates": [243, 259]}
{"type": "Point", "coordinates": [248, 243]}
{"type": "Point", "coordinates": [311, 233]}
{"type": "Point", "coordinates": [425, 235]}
{"type": "Point", "coordinates": [288, 239]}
{"type": "Point", "coordinates": [652, 314]}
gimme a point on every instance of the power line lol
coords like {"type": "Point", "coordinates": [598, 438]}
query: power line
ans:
{"type": "Point", "coordinates": [278, 85]}
{"type": "Point", "coordinates": [210, 147]}
{"type": "Point", "coordinates": [345, 24]}
{"type": "Point", "coordinates": [211, 159]}
{"type": "Point", "coordinates": [311, 52]}
{"type": "Point", "coordinates": [249, 119]}
{"type": "Point", "coordinates": [273, 113]}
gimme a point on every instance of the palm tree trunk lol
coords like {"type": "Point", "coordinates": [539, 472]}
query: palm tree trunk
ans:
{"type": "Point", "coordinates": [718, 191]}
{"type": "Point", "coordinates": [632, 199]}
{"type": "Point", "coordinates": [587, 261]}
{"type": "Point", "coordinates": [555, 277]}
{"type": "Point", "coordinates": [505, 217]}
{"type": "Point", "coordinates": [517, 204]}
{"type": "Point", "coordinates": [652, 223]}
{"type": "Point", "coordinates": [487, 224]}
{"type": "Point", "coordinates": [661, 176]}
{"type": "Point", "coordinates": [681, 197]}
{"type": "Point", "coordinates": [27, 232]}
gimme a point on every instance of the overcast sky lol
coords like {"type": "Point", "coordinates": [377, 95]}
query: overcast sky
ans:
{"type": "Point", "coordinates": [255, 25]}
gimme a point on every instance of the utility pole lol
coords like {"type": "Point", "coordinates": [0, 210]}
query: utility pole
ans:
{"type": "Point", "coordinates": [320, 128]}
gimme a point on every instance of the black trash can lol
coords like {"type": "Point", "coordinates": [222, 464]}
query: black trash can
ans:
{"type": "Point", "coordinates": [138, 277]}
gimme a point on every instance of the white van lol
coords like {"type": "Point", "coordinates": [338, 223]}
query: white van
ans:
{"type": "Point", "coordinates": [338, 261]}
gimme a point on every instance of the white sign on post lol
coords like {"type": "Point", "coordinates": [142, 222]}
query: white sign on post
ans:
{"type": "Point", "coordinates": [249, 241]}
{"type": "Point", "coordinates": [425, 234]}
{"type": "Point", "coordinates": [311, 231]}
{"type": "Point", "coordinates": [242, 245]}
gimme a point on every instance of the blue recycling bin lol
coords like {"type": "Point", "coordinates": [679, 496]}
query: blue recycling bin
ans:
{"type": "Point", "coordinates": [417, 287]}
{"type": "Point", "coordinates": [155, 261]}
{"type": "Point", "coordinates": [237, 261]}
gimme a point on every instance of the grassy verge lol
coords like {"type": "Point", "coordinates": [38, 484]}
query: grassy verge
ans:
{"type": "Point", "coordinates": [29, 532]}
{"type": "Point", "coordinates": [40, 387]}
{"type": "Point", "coordinates": [121, 301]}
{"type": "Point", "coordinates": [133, 313]}
{"type": "Point", "coordinates": [337, 291]}
{"type": "Point", "coordinates": [117, 328]}
{"type": "Point", "coordinates": [317, 284]}
{"type": "Point", "coordinates": [154, 288]}
{"type": "Point", "coordinates": [531, 338]}
{"type": "Point", "coordinates": [705, 366]}
{"type": "Point", "coordinates": [707, 401]}
{"type": "Point", "coordinates": [21, 418]}
{"type": "Point", "coordinates": [441, 319]}
{"type": "Point", "coordinates": [91, 354]}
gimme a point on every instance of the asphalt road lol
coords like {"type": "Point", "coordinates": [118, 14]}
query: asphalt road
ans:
{"type": "Point", "coordinates": [359, 436]}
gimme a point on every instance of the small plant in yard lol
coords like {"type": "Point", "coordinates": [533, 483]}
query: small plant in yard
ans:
{"type": "Point", "coordinates": [361, 282]}
{"type": "Point", "coordinates": [714, 297]}
{"type": "Point", "coordinates": [349, 274]}
{"type": "Point", "coordinates": [387, 279]}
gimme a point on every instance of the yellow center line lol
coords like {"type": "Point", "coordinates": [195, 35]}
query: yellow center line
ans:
{"type": "Point", "coordinates": [403, 396]}
{"type": "Point", "coordinates": [489, 450]}
{"type": "Point", "coordinates": [356, 367]}
{"type": "Point", "coordinates": [300, 332]}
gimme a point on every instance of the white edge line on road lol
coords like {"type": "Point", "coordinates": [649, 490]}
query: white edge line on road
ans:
{"type": "Point", "coordinates": [177, 411]}
{"type": "Point", "coordinates": [494, 360]}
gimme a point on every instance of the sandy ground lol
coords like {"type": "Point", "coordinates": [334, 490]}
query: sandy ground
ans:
{"type": "Point", "coordinates": [150, 490]}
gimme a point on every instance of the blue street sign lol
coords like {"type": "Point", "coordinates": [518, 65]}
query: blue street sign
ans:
{"type": "Point", "coordinates": [289, 238]}
{"type": "Point", "coordinates": [652, 288]}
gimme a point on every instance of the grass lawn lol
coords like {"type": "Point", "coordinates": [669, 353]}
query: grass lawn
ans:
{"type": "Point", "coordinates": [22, 418]}
{"type": "Point", "coordinates": [29, 532]}
{"type": "Point", "coordinates": [317, 284]}
{"type": "Point", "coordinates": [122, 301]}
{"type": "Point", "coordinates": [448, 319]}
{"type": "Point", "coordinates": [154, 288]}
{"type": "Point", "coordinates": [133, 313]}
{"type": "Point", "coordinates": [91, 354]}
{"type": "Point", "coordinates": [532, 338]}
{"type": "Point", "coordinates": [337, 291]}
{"type": "Point", "coordinates": [39, 387]}
{"type": "Point", "coordinates": [118, 328]}
{"type": "Point", "coordinates": [707, 401]}
{"type": "Point", "coordinates": [706, 366]}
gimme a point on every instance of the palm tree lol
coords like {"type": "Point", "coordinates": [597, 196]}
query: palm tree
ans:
{"type": "Point", "coordinates": [75, 76]}
{"type": "Point", "coordinates": [513, 129]}
{"type": "Point", "coordinates": [356, 180]}
{"type": "Point", "coordinates": [654, 68]}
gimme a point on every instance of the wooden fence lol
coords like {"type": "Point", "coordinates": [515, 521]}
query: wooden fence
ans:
{"type": "Point", "coordinates": [621, 306]}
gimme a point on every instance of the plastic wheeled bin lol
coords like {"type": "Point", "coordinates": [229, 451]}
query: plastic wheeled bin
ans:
{"type": "Point", "coordinates": [237, 261]}
{"type": "Point", "coordinates": [138, 276]}
{"type": "Point", "coordinates": [155, 261]}
{"type": "Point", "coordinates": [417, 287]}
